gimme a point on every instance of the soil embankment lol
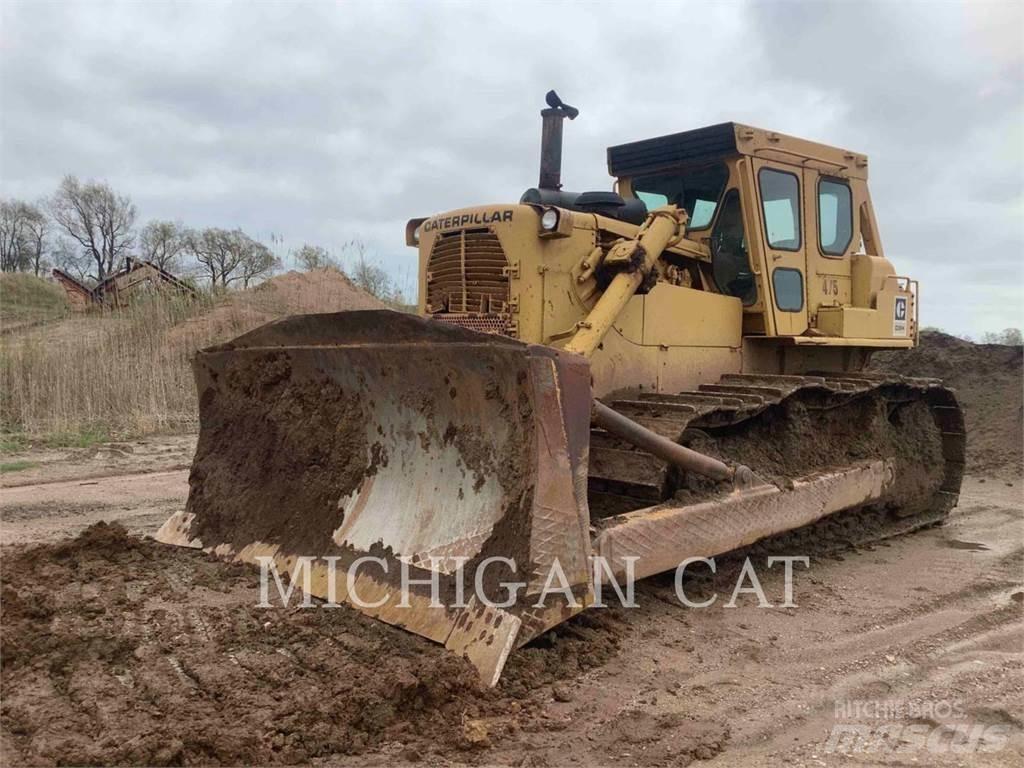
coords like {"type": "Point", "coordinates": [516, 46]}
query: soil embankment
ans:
{"type": "Point", "coordinates": [989, 383]}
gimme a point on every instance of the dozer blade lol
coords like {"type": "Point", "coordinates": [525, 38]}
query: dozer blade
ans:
{"type": "Point", "coordinates": [376, 434]}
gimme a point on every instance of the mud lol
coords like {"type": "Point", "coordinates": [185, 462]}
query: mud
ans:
{"type": "Point", "coordinates": [299, 418]}
{"type": "Point", "coordinates": [810, 432]}
{"type": "Point", "coordinates": [274, 452]}
{"type": "Point", "coordinates": [148, 654]}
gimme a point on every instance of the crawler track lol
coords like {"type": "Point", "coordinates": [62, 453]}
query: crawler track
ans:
{"type": "Point", "coordinates": [791, 426]}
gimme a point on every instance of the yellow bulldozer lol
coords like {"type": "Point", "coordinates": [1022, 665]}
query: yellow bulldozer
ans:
{"type": "Point", "coordinates": [674, 369]}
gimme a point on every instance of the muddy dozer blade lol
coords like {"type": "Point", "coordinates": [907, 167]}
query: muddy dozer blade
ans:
{"type": "Point", "coordinates": [376, 434]}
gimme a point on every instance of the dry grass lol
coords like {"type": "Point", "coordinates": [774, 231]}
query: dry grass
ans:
{"type": "Point", "coordinates": [104, 374]}
{"type": "Point", "coordinates": [27, 300]}
{"type": "Point", "coordinates": [126, 373]}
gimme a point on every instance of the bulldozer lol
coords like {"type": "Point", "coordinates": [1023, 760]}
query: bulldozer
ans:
{"type": "Point", "coordinates": [673, 369]}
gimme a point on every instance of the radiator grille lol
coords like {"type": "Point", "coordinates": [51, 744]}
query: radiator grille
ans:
{"type": "Point", "coordinates": [467, 272]}
{"type": "Point", "coordinates": [489, 323]}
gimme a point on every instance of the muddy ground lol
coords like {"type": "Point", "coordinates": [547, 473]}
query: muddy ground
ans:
{"type": "Point", "coordinates": [116, 650]}
{"type": "Point", "coordinates": [119, 650]}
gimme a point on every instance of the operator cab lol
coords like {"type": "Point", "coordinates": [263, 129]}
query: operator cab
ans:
{"type": "Point", "coordinates": [782, 219]}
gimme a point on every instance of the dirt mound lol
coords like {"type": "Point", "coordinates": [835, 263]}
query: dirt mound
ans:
{"type": "Point", "coordinates": [148, 654]}
{"type": "Point", "coordinates": [989, 382]}
{"type": "Point", "coordinates": [321, 290]}
{"type": "Point", "coordinates": [27, 300]}
{"type": "Point", "coordinates": [293, 293]}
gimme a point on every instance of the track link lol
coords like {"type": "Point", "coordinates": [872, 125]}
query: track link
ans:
{"type": "Point", "coordinates": [623, 478]}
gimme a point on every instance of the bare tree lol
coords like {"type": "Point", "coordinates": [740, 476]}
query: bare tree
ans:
{"type": "Point", "coordinates": [211, 248]}
{"type": "Point", "coordinates": [258, 262]}
{"type": "Point", "coordinates": [96, 218]}
{"type": "Point", "coordinates": [228, 256]}
{"type": "Point", "coordinates": [369, 275]}
{"type": "Point", "coordinates": [162, 243]}
{"type": "Point", "coordinates": [310, 257]}
{"type": "Point", "coordinates": [37, 227]}
{"type": "Point", "coordinates": [372, 279]}
{"type": "Point", "coordinates": [67, 256]}
{"type": "Point", "coordinates": [11, 225]}
{"type": "Point", "coordinates": [23, 231]}
{"type": "Point", "coordinates": [1008, 336]}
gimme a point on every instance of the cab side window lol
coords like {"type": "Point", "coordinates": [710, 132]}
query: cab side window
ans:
{"type": "Point", "coordinates": [780, 201]}
{"type": "Point", "coordinates": [697, 190]}
{"type": "Point", "coordinates": [729, 260]}
{"type": "Point", "coordinates": [835, 216]}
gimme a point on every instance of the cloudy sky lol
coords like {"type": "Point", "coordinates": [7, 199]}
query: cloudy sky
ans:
{"type": "Point", "coordinates": [324, 122]}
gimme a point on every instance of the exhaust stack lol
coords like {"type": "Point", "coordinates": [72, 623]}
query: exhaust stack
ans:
{"type": "Point", "coordinates": [551, 140]}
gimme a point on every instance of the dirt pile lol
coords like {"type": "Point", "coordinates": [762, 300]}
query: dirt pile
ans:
{"type": "Point", "coordinates": [293, 293]}
{"type": "Point", "coordinates": [149, 654]}
{"type": "Point", "coordinates": [321, 290]}
{"type": "Point", "coordinates": [989, 382]}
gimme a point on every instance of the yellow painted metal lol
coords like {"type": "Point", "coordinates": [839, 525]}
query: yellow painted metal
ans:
{"type": "Point", "coordinates": [850, 322]}
{"type": "Point", "coordinates": [820, 341]}
{"type": "Point", "coordinates": [662, 227]}
{"type": "Point", "coordinates": [779, 147]}
{"type": "Point", "coordinates": [554, 295]}
{"type": "Point", "coordinates": [868, 274]}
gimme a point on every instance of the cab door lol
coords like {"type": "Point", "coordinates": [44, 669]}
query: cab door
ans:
{"type": "Point", "coordinates": [782, 237]}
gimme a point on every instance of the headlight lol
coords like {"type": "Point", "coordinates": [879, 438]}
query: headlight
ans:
{"type": "Point", "coordinates": [549, 220]}
{"type": "Point", "coordinates": [416, 234]}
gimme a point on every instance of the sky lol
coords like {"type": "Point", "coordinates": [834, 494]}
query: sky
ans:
{"type": "Point", "coordinates": [327, 122]}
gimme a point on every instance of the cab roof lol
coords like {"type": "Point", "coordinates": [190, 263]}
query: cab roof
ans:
{"type": "Point", "coordinates": [726, 140]}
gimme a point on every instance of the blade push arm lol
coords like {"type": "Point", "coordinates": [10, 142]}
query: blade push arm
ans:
{"type": "Point", "coordinates": [633, 259]}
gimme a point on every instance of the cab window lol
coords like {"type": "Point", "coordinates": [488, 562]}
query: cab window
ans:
{"type": "Point", "coordinates": [835, 216]}
{"type": "Point", "coordinates": [730, 262]}
{"type": "Point", "coordinates": [789, 289]}
{"type": "Point", "coordinates": [780, 201]}
{"type": "Point", "coordinates": [697, 190]}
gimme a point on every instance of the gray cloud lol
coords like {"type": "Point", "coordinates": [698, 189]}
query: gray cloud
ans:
{"type": "Point", "coordinates": [323, 122]}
